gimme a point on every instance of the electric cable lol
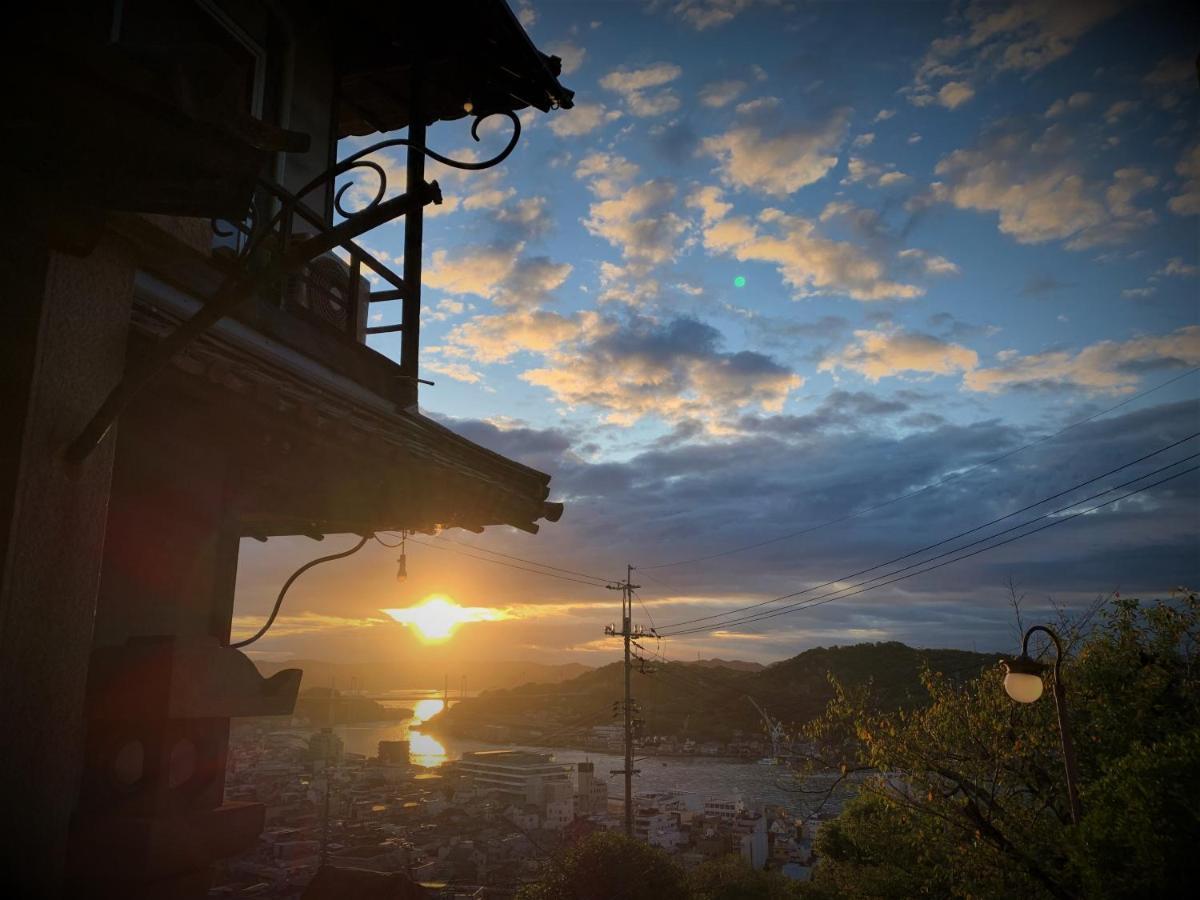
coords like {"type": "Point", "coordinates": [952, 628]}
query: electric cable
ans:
{"type": "Point", "coordinates": [532, 562]}
{"type": "Point", "coordinates": [827, 598]}
{"type": "Point", "coordinates": [931, 486]}
{"type": "Point", "coordinates": [291, 579]}
{"type": "Point", "coordinates": [962, 534]}
{"type": "Point", "coordinates": [497, 562]}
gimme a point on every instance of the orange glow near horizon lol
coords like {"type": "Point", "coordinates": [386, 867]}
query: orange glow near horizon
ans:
{"type": "Point", "coordinates": [436, 618]}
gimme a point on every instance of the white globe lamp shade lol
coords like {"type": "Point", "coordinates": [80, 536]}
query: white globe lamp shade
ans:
{"type": "Point", "coordinates": [1023, 687]}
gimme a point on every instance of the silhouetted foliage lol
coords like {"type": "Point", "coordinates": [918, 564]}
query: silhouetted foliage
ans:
{"type": "Point", "coordinates": [972, 801]}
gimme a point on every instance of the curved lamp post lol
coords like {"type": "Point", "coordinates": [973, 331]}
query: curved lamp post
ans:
{"type": "Point", "coordinates": [1023, 682]}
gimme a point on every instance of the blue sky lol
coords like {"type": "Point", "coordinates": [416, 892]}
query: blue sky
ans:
{"type": "Point", "coordinates": [959, 226]}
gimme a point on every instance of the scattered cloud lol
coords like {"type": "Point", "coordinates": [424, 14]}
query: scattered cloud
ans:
{"type": "Point", "coordinates": [704, 14]}
{"type": "Point", "coordinates": [632, 215]}
{"type": "Point", "coordinates": [643, 90]}
{"type": "Point", "coordinates": [583, 118]}
{"type": "Point", "coordinates": [721, 93]}
{"type": "Point", "coordinates": [872, 174]}
{"type": "Point", "coordinates": [883, 115]}
{"type": "Point", "coordinates": [571, 54]}
{"type": "Point", "coordinates": [954, 94]}
{"type": "Point", "coordinates": [886, 353]}
{"type": "Point", "coordinates": [809, 262]}
{"type": "Point", "coordinates": [1171, 70]}
{"type": "Point", "coordinates": [1020, 37]}
{"type": "Point", "coordinates": [1108, 366]}
{"type": "Point", "coordinates": [497, 273]}
{"type": "Point", "coordinates": [1041, 284]}
{"type": "Point", "coordinates": [1078, 100]}
{"type": "Point", "coordinates": [1039, 190]}
{"type": "Point", "coordinates": [1178, 268]}
{"type": "Point", "coordinates": [1118, 110]}
{"type": "Point", "coordinates": [864, 140]}
{"type": "Point", "coordinates": [1187, 201]}
{"type": "Point", "coordinates": [758, 154]}
{"type": "Point", "coordinates": [931, 263]}
{"type": "Point", "coordinates": [673, 369]}
{"type": "Point", "coordinates": [300, 623]}
{"type": "Point", "coordinates": [497, 338]}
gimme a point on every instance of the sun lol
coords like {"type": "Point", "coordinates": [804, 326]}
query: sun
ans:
{"type": "Point", "coordinates": [436, 618]}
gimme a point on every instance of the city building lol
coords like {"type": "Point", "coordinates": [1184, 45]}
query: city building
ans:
{"type": "Point", "coordinates": [186, 366]}
{"type": "Point", "coordinates": [515, 776]}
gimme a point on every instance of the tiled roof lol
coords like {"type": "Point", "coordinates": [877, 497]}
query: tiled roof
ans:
{"type": "Point", "coordinates": [428, 476]}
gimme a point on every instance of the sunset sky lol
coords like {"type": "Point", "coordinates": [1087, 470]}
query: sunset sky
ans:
{"type": "Point", "coordinates": [781, 262]}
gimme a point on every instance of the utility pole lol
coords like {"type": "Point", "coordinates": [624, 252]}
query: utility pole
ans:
{"type": "Point", "coordinates": [629, 634]}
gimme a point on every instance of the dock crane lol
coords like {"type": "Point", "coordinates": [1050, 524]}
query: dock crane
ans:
{"type": "Point", "coordinates": [775, 732]}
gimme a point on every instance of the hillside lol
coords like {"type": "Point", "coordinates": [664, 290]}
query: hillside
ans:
{"type": "Point", "coordinates": [718, 663]}
{"type": "Point", "coordinates": [709, 702]}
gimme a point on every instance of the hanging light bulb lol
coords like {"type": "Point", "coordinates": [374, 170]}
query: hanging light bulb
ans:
{"type": "Point", "coordinates": [402, 560]}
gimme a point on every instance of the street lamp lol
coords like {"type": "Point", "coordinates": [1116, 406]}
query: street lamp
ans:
{"type": "Point", "coordinates": [1023, 682]}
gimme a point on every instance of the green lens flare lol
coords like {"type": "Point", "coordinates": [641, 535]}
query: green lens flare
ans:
{"type": "Point", "coordinates": [740, 281]}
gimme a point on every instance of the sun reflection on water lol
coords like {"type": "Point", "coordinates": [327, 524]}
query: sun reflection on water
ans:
{"type": "Point", "coordinates": [425, 750]}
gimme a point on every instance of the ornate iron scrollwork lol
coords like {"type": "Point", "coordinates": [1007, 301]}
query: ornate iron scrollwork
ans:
{"type": "Point", "coordinates": [360, 160]}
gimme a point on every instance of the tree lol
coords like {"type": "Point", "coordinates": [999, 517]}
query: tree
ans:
{"type": "Point", "coordinates": [732, 878]}
{"type": "Point", "coordinates": [608, 865]}
{"type": "Point", "coordinates": [968, 797]}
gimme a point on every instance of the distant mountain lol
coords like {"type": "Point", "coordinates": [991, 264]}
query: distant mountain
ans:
{"type": "Point", "coordinates": [371, 677]}
{"type": "Point", "coordinates": [711, 701]}
{"type": "Point", "coordinates": [741, 665]}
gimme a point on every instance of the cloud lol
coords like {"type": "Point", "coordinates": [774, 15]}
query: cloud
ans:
{"type": "Point", "coordinates": [704, 14]}
{"type": "Point", "coordinates": [1138, 293]}
{"type": "Point", "coordinates": [673, 369]}
{"type": "Point", "coordinates": [886, 353]}
{"type": "Point", "coordinates": [808, 261]}
{"type": "Point", "coordinates": [872, 175]}
{"type": "Point", "coordinates": [954, 94]}
{"type": "Point", "coordinates": [1177, 267]}
{"type": "Point", "coordinates": [497, 273]}
{"type": "Point", "coordinates": [864, 140]}
{"type": "Point", "coordinates": [633, 216]}
{"type": "Point", "coordinates": [1171, 70]}
{"type": "Point", "coordinates": [583, 118]}
{"type": "Point", "coordinates": [721, 93]}
{"type": "Point", "coordinates": [1106, 366]}
{"type": "Point", "coordinates": [526, 14]}
{"type": "Point", "coordinates": [1042, 284]}
{"type": "Point", "coordinates": [883, 115]}
{"type": "Point", "coordinates": [571, 54]}
{"type": "Point", "coordinates": [1021, 37]}
{"type": "Point", "coordinates": [931, 263]}
{"type": "Point", "coordinates": [1187, 202]}
{"type": "Point", "coordinates": [633, 84]}
{"type": "Point", "coordinates": [1078, 100]}
{"type": "Point", "coordinates": [1039, 190]}
{"type": "Point", "coordinates": [708, 201]}
{"type": "Point", "coordinates": [300, 623]}
{"type": "Point", "coordinates": [758, 154]}
{"type": "Point", "coordinates": [1118, 110]}
{"type": "Point", "coordinates": [497, 338]}
{"type": "Point", "coordinates": [456, 370]}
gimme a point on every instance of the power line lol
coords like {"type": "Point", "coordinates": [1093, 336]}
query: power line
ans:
{"type": "Point", "coordinates": [962, 534]}
{"type": "Point", "coordinates": [931, 486]}
{"type": "Point", "coordinates": [497, 562]}
{"type": "Point", "coordinates": [532, 562]}
{"type": "Point", "coordinates": [827, 598]}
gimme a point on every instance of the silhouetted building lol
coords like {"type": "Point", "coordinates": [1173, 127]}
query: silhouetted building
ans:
{"type": "Point", "coordinates": [185, 366]}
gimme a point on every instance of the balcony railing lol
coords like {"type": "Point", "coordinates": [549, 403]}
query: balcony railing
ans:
{"type": "Point", "coordinates": [328, 278]}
